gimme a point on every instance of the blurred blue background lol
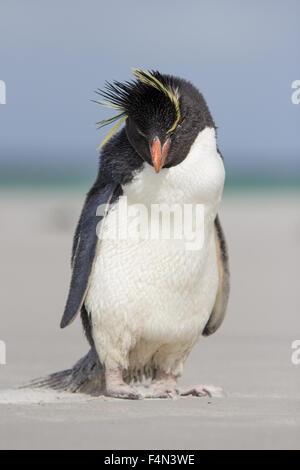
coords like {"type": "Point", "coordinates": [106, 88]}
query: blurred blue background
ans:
{"type": "Point", "coordinates": [242, 55]}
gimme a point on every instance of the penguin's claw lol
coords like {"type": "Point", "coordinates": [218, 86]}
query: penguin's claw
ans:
{"type": "Point", "coordinates": [201, 391]}
{"type": "Point", "coordinates": [162, 387]}
{"type": "Point", "coordinates": [124, 391]}
{"type": "Point", "coordinates": [154, 391]}
{"type": "Point", "coordinates": [117, 388]}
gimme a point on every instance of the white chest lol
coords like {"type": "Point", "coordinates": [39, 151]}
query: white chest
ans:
{"type": "Point", "coordinates": [157, 289]}
{"type": "Point", "coordinates": [198, 179]}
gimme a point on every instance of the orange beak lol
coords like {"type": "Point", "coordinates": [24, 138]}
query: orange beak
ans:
{"type": "Point", "coordinates": [159, 154]}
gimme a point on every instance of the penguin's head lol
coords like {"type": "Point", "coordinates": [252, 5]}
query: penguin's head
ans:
{"type": "Point", "coordinates": [163, 115]}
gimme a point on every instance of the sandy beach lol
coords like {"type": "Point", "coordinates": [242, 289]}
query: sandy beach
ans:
{"type": "Point", "coordinates": [250, 356]}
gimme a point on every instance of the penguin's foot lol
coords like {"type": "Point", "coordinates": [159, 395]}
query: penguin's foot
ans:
{"type": "Point", "coordinates": [200, 391]}
{"type": "Point", "coordinates": [163, 386]}
{"type": "Point", "coordinates": [159, 390]}
{"type": "Point", "coordinates": [117, 388]}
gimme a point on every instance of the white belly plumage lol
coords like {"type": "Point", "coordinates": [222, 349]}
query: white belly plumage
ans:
{"type": "Point", "coordinates": [149, 300]}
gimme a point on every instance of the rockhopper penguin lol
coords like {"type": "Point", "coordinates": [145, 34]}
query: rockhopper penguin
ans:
{"type": "Point", "coordinates": [145, 302]}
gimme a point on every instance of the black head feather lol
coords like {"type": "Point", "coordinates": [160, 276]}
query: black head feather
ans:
{"type": "Point", "coordinates": [157, 104]}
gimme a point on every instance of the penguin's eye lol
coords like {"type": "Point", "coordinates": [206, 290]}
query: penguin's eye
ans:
{"type": "Point", "coordinates": [180, 122]}
{"type": "Point", "coordinates": [141, 133]}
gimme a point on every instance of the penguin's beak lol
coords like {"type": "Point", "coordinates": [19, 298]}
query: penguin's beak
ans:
{"type": "Point", "coordinates": [159, 153]}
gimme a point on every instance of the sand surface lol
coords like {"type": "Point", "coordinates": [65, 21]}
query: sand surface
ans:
{"type": "Point", "coordinates": [250, 356]}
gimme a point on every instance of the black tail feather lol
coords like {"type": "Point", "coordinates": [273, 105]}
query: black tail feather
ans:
{"type": "Point", "coordinates": [86, 376]}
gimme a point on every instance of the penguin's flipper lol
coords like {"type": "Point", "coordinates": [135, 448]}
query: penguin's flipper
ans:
{"type": "Point", "coordinates": [84, 246]}
{"type": "Point", "coordinates": [219, 310]}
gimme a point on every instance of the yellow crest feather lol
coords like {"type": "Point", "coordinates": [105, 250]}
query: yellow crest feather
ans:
{"type": "Point", "coordinates": [106, 104]}
{"type": "Point", "coordinates": [144, 77]}
{"type": "Point", "coordinates": [113, 130]}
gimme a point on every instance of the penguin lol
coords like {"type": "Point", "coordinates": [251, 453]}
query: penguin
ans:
{"type": "Point", "coordinates": [145, 302]}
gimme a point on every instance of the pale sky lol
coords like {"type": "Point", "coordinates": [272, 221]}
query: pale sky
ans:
{"type": "Point", "coordinates": [242, 55]}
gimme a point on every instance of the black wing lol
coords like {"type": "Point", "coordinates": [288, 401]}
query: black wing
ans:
{"type": "Point", "coordinates": [218, 313]}
{"type": "Point", "coordinates": [84, 247]}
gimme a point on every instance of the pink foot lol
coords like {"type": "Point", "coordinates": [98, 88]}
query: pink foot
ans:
{"type": "Point", "coordinates": [163, 386]}
{"type": "Point", "coordinates": [161, 390]}
{"type": "Point", "coordinates": [117, 388]}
